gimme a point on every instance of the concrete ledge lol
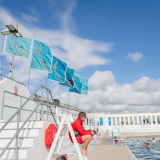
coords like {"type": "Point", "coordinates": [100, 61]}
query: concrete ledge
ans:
{"type": "Point", "coordinates": [131, 155]}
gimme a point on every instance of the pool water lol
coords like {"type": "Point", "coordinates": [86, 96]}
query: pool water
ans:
{"type": "Point", "coordinates": [140, 153]}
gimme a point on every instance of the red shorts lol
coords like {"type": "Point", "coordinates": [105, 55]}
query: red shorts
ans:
{"type": "Point", "coordinates": [79, 139]}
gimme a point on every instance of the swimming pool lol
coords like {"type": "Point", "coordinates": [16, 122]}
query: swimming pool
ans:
{"type": "Point", "coordinates": [140, 153]}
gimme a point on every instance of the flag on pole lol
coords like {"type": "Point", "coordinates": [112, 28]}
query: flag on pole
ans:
{"type": "Point", "coordinates": [58, 71]}
{"type": "Point", "coordinates": [41, 56]}
{"type": "Point", "coordinates": [69, 78]}
{"type": "Point", "coordinates": [84, 86]}
{"type": "Point", "coordinates": [22, 46]}
{"type": "Point", "coordinates": [77, 85]}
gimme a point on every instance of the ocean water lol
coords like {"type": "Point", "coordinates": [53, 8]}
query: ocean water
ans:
{"type": "Point", "coordinates": [140, 153]}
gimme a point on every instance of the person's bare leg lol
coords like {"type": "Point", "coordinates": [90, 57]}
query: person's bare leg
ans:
{"type": "Point", "coordinates": [86, 139]}
{"type": "Point", "coordinates": [87, 153]}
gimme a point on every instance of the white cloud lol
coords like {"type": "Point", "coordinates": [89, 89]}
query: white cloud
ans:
{"type": "Point", "coordinates": [67, 21]}
{"type": "Point", "coordinates": [99, 79]}
{"type": "Point", "coordinates": [52, 2]}
{"type": "Point", "coordinates": [75, 51]}
{"type": "Point", "coordinates": [33, 16]}
{"type": "Point", "coordinates": [135, 57]}
{"type": "Point", "coordinates": [105, 94]}
{"type": "Point", "coordinates": [29, 18]}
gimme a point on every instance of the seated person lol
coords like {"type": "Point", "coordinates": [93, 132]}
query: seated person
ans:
{"type": "Point", "coordinates": [115, 138]}
{"type": "Point", "coordinates": [153, 140]}
{"type": "Point", "coordinates": [117, 142]}
{"type": "Point", "coordinates": [82, 135]}
{"type": "Point", "coordinates": [148, 146]}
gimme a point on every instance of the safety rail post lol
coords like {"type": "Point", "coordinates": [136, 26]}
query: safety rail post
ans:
{"type": "Point", "coordinates": [47, 103]}
{"type": "Point", "coordinates": [36, 111]}
{"type": "Point", "coordinates": [42, 104]}
{"type": "Point", "coordinates": [17, 149]}
{"type": "Point", "coordinates": [112, 137]}
{"type": "Point", "coordinates": [20, 106]}
{"type": "Point", "coordinates": [2, 105]}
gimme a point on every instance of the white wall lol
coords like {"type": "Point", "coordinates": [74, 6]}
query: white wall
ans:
{"type": "Point", "coordinates": [14, 101]}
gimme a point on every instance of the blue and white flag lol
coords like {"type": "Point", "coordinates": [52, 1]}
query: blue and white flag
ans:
{"type": "Point", "coordinates": [84, 86]}
{"type": "Point", "coordinates": [41, 56]}
{"type": "Point", "coordinates": [22, 46]}
{"type": "Point", "coordinates": [69, 78]}
{"type": "Point", "coordinates": [58, 70]}
{"type": "Point", "coordinates": [77, 85]}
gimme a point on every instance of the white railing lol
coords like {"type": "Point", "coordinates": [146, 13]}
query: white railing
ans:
{"type": "Point", "coordinates": [134, 129]}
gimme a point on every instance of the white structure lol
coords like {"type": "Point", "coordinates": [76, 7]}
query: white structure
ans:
{"type": "Point", "coordinates": [31, 140]}
{"type": "Point", "coordinates": [109, 121]}
{"type": "Point", "coordinates": [11, 100]}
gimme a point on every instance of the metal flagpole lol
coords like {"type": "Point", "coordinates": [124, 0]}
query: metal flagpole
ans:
{"type": "Point", "coordinates": [46, 82]}
{"type": "Point", "coordinates": [29, 75]}
{"type": "Point", "coordinates": [13, 55]}
{"type": "Point", "coordinates": [2, 66]}
{"type": "Point", "coordinates": [59, 92]}
{"type": "Point", "coordinates": [68, 98]}
{"type": "Point", "coordinates": [76, 100]}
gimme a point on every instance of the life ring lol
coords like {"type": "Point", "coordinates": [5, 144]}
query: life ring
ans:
{"type": "Point", "coordinates": [50, 134]}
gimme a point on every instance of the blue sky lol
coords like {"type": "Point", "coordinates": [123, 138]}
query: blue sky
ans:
{"type": "Point", "coordinates": [120, 36]}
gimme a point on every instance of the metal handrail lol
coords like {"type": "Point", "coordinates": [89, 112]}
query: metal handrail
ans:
{"type": "Point", "coordinates": [18, 112]}
{"type": "Point", "coordinates": [17, 133]}
{"type": "Point", "coordinates": [20, 104]}
{"type": "Point", "coordinates": [65, 110]}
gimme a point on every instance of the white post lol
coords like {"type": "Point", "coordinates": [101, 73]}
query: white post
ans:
{"type": "Point", "coordinates": [116, 121]}
{"type": "Point", "coordinates": [137, 120]}
{"type": "Point", "coordinates": [124, 120]}
{"type": "Point", "coordinates": [57, 118]}
{"type": "Point", "coordinates": [120, 121]}
{"type": "Point", "coordinates": [142, 119]}
{"type": "Point", "coordinates": [151, 120]}
{"type": "Point", "coordinates": [133, 120]}
{"type": "Point", "coordinates": [129, 121]}
{"type": "Point", "coordinates": [56, 138]}
{"type": "Point", "coordinates": [156, 119]}
{"type": "Point", "coordinates": [146, 119]}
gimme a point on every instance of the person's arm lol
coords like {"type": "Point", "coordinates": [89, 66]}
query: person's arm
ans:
{"type": "Point", "coordinates": [141, 145]}
{"type": "Point", "coordinates": [81, 129]}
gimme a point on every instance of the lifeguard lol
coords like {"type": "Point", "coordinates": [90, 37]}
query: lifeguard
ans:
{"type": "Point", "coordinates": [82, 135]}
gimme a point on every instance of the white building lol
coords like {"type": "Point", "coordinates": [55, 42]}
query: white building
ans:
{"type": "Point", "coordinates": [110, 121]}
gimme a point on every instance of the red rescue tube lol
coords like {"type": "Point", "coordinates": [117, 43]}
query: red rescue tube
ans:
{"type": "Point", "coordinates": [50, 134]}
